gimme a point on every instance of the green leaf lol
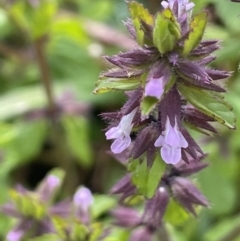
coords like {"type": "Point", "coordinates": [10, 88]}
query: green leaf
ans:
{"type": "Point", "coordinates": [16, 147]}
{"type": "Point", "coordinates": [175, 214]}
{"type": "Point", "coordinates": [110, 84]}
{"type": "Point", "coordinates": [46, 237]}
{"type": "Point", "coordinates": [148, 104]}
{"type": "Point", "coordinates": [197, 28]}
{"type": "Point", "coordinates": [28, 204]}
{"type": "Point", "coordinates": [102, 204]}
{"type": "Point", "coordinates": [77, 134]}
{"type": "Point", "coordinates": [138, 13]}
{"type": "Point", "coordinates": [140, 176]}
{"type": "Point", "coordinates": [166, 31]}
{"type": "Point", "coordinates": [210, 104]}
{"type": "Point", "coordinates": [154, 175]}
{"type": "Point", "coordinates": [96, 231]}
{"type": "Point", "coordinates": [70, 27]}
{"type": "Point", "coordinates": [36, 20]}
{"type": "Point", "coordinates": [79, 232]}
{"type": "Point", "coordinates": [147, 178]}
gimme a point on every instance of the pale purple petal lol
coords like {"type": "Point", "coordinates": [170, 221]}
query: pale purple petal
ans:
{"type": "Point", "coordinates": [126, 120]}
{"type": "Point", "coordinates": [155, 87]}
{"type": "Point", "coordinates": [19, 231]}
{"type": "Point", "coordinates": [183, 142]}
{"type": "Point", "coordinates": [160, 141]}
{"type": "Point", "coordinates": [15, 235]}
{"type": "Point", "coordinates": [113, 133]}
{"type": "Point", "coordinates": [83, 198]}
{"type": "Point", "coordinates": [172, 137]}
{"type": "Point", "coordinates": [170, 154]}
{"type": "Point", "coordinates": [164, 4]}
{"type": "Point", "coordinates": [120, 144]}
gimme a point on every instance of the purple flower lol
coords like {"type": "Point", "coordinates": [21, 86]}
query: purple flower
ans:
{"type": "Point", "coordinates": [83, 200]}
{"type": "Point", "coordinates": [121, 133]}
{"type": "Point", "coordinates": [155, 87]}
{"type": "Point", "coordinates": [157, 79]}
{"type": "Point", "coordinates": [183, 6]}
{"type": "Point", "coordinates": [171, 141]}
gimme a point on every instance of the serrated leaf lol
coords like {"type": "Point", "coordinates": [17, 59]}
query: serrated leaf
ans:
{"type": "Point", "coordinates": [76, 128]}
{"type": "Point", "coordinates": [166, 31]}
{"type": "Point", "coordinates": [111, 84]}
{"type": "Point", "coordinates": [138, 13]}
{"type": "Point", "coordinates": [210, 104]}
{"type": "Point", "coordinates": [197, 28]}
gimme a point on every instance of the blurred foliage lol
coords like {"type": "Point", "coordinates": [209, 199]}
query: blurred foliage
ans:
{"type": "Point", "coordinates": [35, 137]}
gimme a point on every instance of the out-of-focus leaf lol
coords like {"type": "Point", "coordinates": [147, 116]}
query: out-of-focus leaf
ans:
{"type": "Point", "coordinates": [118, 234]}
{"type": "Point", "coordinates": [197, 27]}
{"type": "Point", "coordinates": [60, 226]}
{"type": "Point", "coordinates": [175, 214]}
{"type": "Point", "coordinates": [25, 143]}
{"type": "Point", "coordinates": [79, 232]}
{"type": "Point", "coordinates": [221, 229]}
{"type": "Point", "coordinates": [28, 204]}
{"type": "Point", "coordinates": [223, 9]}
{"type": "Point", "coordinates": [69, 27]}
{"type": "Point", "coordinates": [102, 204]}
{"type": "Point", "coordinates": [98, 10]}
{"type": "Point", "coordinates": [210, 104]}
{"type": "Point", "coordinates": [77, 134]}
{"type": "Point", "coordinates": [36, 20]}
{"type": "Point", "coordinates": [96, 232]}
{"type": "Point", "coordinates": [46, 237]}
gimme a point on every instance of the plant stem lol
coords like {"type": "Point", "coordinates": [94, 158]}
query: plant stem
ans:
{"type": "Point", "coordinates": [45, 75]}
{"type": "Point", "coordinates": [232, 235]}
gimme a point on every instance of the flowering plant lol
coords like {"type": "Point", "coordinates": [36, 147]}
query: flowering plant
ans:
{"type": "Point", "coordinates": [170, 90]}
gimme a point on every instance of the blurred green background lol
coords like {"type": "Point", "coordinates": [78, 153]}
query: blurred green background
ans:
{"type": "Point", "coordinates": [50, 59]}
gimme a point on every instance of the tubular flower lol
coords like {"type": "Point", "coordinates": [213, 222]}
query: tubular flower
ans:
{"type": "Point", "coordinates": [171, 141]}
{"type": "Point", "coordinates": [121, 133]}
{"type": "Point", "coordinates": [183, 6]}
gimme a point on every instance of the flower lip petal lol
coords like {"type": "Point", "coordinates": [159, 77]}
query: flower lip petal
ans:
{"type": "Point", "coordinates": [113, 133]}
{"type": "Point", "coordinates": [154, 88]}
{"type": "Point", "coordinates": [121, 143]}
{"type": "Point", "coordinates": [170, 154]}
